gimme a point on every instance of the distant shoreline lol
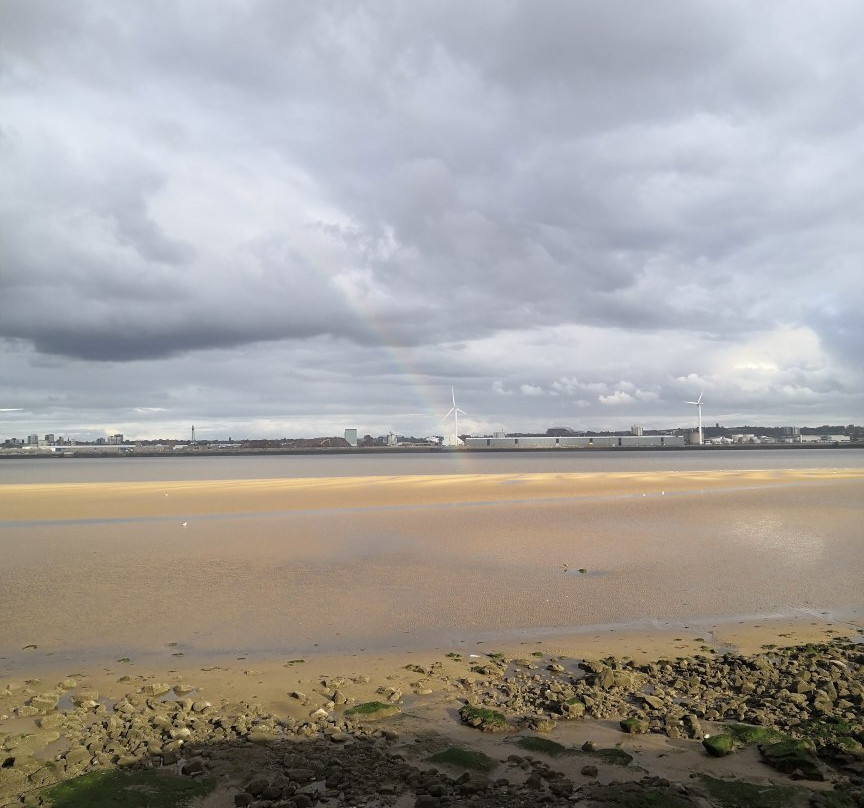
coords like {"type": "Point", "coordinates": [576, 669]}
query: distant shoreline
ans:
{"type": "Point", "coordinates": [90, 452]}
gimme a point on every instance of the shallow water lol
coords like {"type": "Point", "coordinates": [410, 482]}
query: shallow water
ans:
{"type": "Point", "coordinates": [409, 577]}
{"type": "Point", "coordinates": [247, 467]}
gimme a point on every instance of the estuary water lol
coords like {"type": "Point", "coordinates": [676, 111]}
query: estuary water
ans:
{"type": "Point", "coordinates": [251, 467]}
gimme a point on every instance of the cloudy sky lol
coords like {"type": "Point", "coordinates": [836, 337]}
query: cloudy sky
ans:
{"type": "Point", "coordinates": [286, 218]}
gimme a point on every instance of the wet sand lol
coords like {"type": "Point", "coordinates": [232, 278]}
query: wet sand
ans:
{"type": "Point", "coordinates": [354, 565]}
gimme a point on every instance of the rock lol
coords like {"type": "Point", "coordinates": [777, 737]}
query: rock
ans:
{"type": "Point", "coordinates": [77, 756]}
{"type": "Point", "coordinates": [193, 768]}
{"type": "Point", "coordinates": [257, 785]}
{"type": "Point", "coordinates": [181, 734]}
{"type": "Point", "coordinates": [45, 702]}
{"type": "Point", "coordinates": [539, 723]}
{"type": "Point", "coordinates": [483, 718]}
{"type": "Point", "coordinates": [372, 711]}
{"type": "Point", "coordinates": [561, 787]}
{"type": "Point", "coordinates": [171, 752]}
{"type": "Point", "coordinates": [573, 708]}
{"type": "Point", "coordinates": [300, 774]}
{"type": "Point", "coordinates": [155, 689]}
{"type": "Point", "coordinates": [261, 736]}
{"type": "Point", "coordinates": [183, 689]}
{"type": "Point", "coordinates": [51, 721]}
{"type": "Point", "coordinates": [692, 726]}
{"type": "Point", "coordinates": [718, 745]}
{"type": "Point", "coordinates": [792, 756]}
{"type": "Point", "coordinates": [85, 696]}
{"type": "Point", "coordinates": [45, 776]}
{"type": "Point", "coordinates": [340, 737]}
{"type": "Point", "coordinates": [589, 771]}
{"type": "Point", "coordinates": [634, 726]}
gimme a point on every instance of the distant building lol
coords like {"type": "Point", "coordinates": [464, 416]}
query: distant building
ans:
{"type": "Point", "coordinates": [32, 440]}
{"type": "Point", "coordinates": [114, 440]}
{"type": "Point", "coordinates": [636, 430]}
{"type": "Point", "coordinates": [351, 437]}
{"type": "Point", "coordinates": [693, 437]}
{"type": "Point", "coordinates": [49, 438]}
{"type": "Point", "coordinates": [575, 442]}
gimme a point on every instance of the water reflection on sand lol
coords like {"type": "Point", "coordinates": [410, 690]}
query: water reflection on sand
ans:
{"type": "Point", "coordinates": [389, 575]}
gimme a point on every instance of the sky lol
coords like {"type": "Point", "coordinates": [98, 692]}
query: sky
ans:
{"type": "Point", "coordinates": [271, 218]}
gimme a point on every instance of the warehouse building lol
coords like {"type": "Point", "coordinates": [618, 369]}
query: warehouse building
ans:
{"type": "Point", "coordinates": [576, 442]}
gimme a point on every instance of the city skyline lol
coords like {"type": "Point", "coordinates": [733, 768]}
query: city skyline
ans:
{"type": "Point", "coordinates": [289, 219]}
{"type": "Point", "coordinates": [194, 435]}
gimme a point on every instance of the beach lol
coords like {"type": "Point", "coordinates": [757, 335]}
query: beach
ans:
{"type": "Point", "coordinates": [342, 565]}
{"type": "Point", "coordinates": [251, 590]}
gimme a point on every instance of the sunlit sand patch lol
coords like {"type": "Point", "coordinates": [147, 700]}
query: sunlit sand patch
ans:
{"type": "Point", "coordinates": [106, 500]}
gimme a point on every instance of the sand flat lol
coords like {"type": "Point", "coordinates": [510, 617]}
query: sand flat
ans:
{"type": "Point", "coordinates": [187, 498]}
{"type": "Point", "coordinates": [109, 570]}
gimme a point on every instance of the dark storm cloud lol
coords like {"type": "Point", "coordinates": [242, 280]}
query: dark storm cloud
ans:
{"type": "Point", "coordinates": [184, 178]}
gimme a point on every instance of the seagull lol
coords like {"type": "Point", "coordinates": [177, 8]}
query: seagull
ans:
{"type": "Point", "coordinates": [184, 524]}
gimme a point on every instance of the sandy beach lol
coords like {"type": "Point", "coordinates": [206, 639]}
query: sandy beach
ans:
{"type": "Point", "coordinates": [251, 590]}
{"type": "Point", "coordinates": [346, 565]}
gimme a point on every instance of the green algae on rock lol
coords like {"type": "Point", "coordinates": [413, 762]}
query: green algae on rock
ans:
{"type": "Point", "coordinates": [464, 759]}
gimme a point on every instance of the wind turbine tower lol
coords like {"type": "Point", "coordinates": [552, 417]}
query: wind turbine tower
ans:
{"type": "Point", "coordinates": [698, 404]}
{"type": "Point", "coordinates": [454, 411]}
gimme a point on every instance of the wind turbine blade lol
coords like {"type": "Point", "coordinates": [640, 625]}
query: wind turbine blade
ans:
{"type": "Point", "coordinates": [691, 402]}
{"type": "Point", "coordinates": [449, 413]}
{"type": "Point", "coordinates": [699, 401]}
{"type": "Point", "coordinates": [453, 395]}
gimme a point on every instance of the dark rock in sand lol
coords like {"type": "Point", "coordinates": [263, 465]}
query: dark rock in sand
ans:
{"type": "Point", "coordinates": [793, 757]}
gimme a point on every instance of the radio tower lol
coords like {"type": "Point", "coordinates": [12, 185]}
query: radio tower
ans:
{"type": "Point", "coordinates": [193, 433]}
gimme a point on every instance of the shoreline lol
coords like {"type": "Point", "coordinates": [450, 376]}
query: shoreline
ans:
{"type": "Point", "coordinates": [637, 639]}
{"type": "Point", "coordinates": [93, 451]}
{"type": "Point", "coordinates": [239, 720]}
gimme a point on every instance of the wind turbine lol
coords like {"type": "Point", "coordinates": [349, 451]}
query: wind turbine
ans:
{"type": "Point", "coordinates": [698, 404]}
{"type": "Point", "coordinates": [454, 411]}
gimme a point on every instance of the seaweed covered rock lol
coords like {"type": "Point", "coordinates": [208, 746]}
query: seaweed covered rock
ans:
{"type": "Point", "coordinates": [484, 719]}
{"type": "Point", "coordinates": [372, 711]}
{"type": "Point", "coordinates": [718, 745]}
{"type": "Point", "coordinates": [634, 726]}
{"type": "Point", "coordinates": [794, 757]}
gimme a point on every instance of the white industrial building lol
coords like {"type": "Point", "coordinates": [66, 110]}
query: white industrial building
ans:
{"type": "Point", "coordinates": [575, 442]}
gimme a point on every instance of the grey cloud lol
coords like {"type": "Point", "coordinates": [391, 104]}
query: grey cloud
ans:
{"type": "Point", "coordinates": [191, 178]}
